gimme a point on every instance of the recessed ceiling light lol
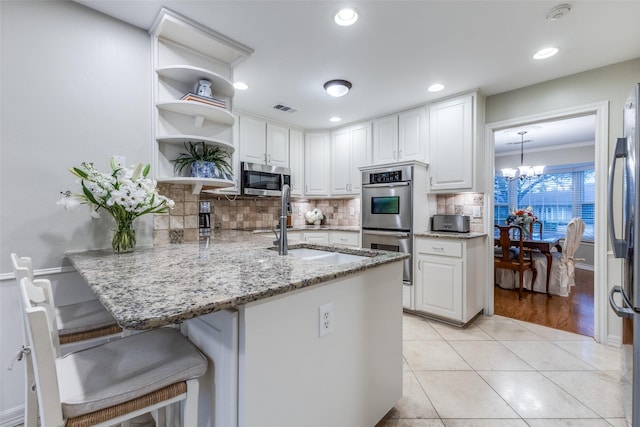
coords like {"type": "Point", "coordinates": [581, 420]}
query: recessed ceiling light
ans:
{"type": "Point", "coordinates": [337, 88]}
{"type": "Point", "coordinates": [436, 87]}
{"type": "Point", "coordinates": [345, 17]}
{"type": "Point", "coordinates": [335, 119]}
{"type": "Point", "coordinates": [240, 86]}
{"type": "Point", "coordinates": [545, 53]}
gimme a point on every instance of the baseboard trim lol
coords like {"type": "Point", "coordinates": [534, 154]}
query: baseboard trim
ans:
{"type": "Point", "coordinates": [587, 267]}
{"type": "Point", "coordinates": [614, 341]}
{"type": "Point", "coordinates": [12, 417]}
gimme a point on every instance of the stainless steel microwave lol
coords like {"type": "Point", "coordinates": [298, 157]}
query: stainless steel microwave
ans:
{"type": "Point", "coordinates": [263, 180]}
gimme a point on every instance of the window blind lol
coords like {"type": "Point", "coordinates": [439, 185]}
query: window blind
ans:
{"type": "Point", "coordinates": [557, 196]}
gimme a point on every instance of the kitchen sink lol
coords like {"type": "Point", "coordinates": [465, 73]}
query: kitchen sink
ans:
{"type": "Point", "coordinates": [324, 256]}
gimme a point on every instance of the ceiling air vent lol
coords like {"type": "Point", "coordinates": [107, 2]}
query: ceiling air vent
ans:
{"type": "Point", "coordinates": [285, 108]}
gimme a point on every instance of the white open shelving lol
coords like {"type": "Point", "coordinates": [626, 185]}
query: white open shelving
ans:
{"type": "Point", "coordinates": [184, 53]}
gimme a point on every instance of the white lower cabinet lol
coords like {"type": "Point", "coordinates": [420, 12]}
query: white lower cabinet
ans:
{"type": "Point", "coordinates": [318, 237]}
{"type": "Point", "coordinates": [447, 277]}
{"type": "Point", "coordinates": [345, 238]}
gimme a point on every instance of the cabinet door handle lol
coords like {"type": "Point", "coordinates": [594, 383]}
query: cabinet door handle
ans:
{"type": "Point", "coordinates": [399, 154]}
{"type": "Point", "coordinates": [269, 158]}
{"type": "Point", "coordinates": [395, 155]}
{"type": "Point", "coordinates": [264, 155]}
{"type": "Point", "coordinates": [420, 265]}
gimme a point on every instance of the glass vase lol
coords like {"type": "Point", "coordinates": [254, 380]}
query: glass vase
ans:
{"type": "Point", "coordinates": [124, 237]}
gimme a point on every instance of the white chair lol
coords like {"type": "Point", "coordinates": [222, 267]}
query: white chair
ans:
{"type": "Point", "coordinates": [74, 323]}
{"type": "Point", "coordinates": [562, 276]}
{"type": "Point", "coordinates": [113, 382]}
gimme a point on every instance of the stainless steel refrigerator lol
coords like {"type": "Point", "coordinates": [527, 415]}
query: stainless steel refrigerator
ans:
{"type": "Point", "coordinates": [624, 240]}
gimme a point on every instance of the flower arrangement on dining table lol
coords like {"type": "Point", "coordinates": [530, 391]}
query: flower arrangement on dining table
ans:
{"type": "Point", "coordinates": [523, 218]}
{"type": "Point", "coordinates": [125, 193]}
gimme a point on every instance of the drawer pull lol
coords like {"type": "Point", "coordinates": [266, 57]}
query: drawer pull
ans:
{"type": "Point", "coordinates": [436, 248]}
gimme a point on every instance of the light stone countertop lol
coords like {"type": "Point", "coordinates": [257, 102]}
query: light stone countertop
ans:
{"type": "Point", "coordinates": [448, 235]}
{"type": "Point", "coordinates": [353, 228]}
{"type": "Point", "coordinates": [157, 286]}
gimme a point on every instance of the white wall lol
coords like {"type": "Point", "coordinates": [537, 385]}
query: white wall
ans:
{"type": "Point", "coordinates": [76, 86]}
{"type": "Point", "coordinates": [613, 84]}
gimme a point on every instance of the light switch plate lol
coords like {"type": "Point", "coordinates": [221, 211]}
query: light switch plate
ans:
{"type": "Point", "coordinates": [477, 212]}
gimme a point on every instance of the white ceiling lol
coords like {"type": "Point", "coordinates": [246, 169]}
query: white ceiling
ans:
{"type": "Point", "coordinates": [397, 48]}
{"type": "Point", "coordinates": [577, 131]}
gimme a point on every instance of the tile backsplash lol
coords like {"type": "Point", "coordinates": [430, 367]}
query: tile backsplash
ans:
{"type": "Point", "coordinates": [257, 212]}
{"type": "Point", "coordinates": [181, 224]}
{"type": "Point", "coordinates": [463, 204]}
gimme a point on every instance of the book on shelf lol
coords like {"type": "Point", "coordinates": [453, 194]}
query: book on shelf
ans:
{"type": "Point", "coordinates": [210, 101]}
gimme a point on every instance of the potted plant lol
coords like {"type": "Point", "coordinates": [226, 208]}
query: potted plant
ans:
{"type": "Point", "coordinates": [205, 161]}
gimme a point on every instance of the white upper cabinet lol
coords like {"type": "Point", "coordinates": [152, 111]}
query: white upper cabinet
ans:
{"type": "Point", "coordinates": [316, 163]}
{"type": "Point", "coordinates": [401, 137]}
{"type": "Point", "coordinates": [412, 134]}
{"type": "Point", "coordinates": [385, 139]}
{"type": "Point", "coordinates": [455, 148]}
{"type": "Point", "coordinates": [252, 137]}
{"type": "Point", "coordinates": [340, 161]}
{"type": "Point", "coordinates": [296, 161]}
{"type": "Point", "coordinates": [185, 52]}
{"type": "Point", "coordinates": [350, 150]}
{"type": "Point", "coordinates": [262, 142]}
{"type": "Point", "coordinates": [277, 145]}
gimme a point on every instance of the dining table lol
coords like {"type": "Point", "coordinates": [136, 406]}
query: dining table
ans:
{"type": "Point", "coordinates": [540, 242]}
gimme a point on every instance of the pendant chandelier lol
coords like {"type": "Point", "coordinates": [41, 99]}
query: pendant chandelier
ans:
{"type": "Point", "coordinates": [522, 172]}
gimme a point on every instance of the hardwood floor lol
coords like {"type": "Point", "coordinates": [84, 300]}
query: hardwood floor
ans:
{"type": "Point", "coordinates": [573, 313]}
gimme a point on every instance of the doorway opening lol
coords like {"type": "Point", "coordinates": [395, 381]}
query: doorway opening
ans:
{"type": "Point", "coordinates": [562, 188]}
{"type": "Point", "coordinates": [583, 310]}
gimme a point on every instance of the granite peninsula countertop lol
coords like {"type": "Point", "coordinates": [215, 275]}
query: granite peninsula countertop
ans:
{"type": "Point", "coordinates": [156, 286]}
{"type": "Point", "coordinates": [448, 235]}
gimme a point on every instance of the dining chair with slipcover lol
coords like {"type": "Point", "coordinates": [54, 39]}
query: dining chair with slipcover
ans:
{"type": "Point", "coordinates": [562, 277]}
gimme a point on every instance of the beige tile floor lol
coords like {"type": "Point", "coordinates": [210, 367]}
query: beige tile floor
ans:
{"type": "Point", "coordinates": [501, 372]}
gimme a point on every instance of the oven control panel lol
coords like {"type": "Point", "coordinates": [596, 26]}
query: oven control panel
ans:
{"type": "Point", "coordinates": [388, 176]}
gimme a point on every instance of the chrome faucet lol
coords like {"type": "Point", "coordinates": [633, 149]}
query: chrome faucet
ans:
{"type": "Point", "coordinates": [281, 241]}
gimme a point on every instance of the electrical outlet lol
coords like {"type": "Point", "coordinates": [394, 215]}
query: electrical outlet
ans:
{"type": "Point", "coordinates": [325, 319]}
{"type": "Point", "coordinates": [120, 161]}
{"type": "Point", "coordinates": [299, 211]}
{"type": "Point", "coordinates": [352, 211]}
{"type": "Point", "coordinates": [476, 212]}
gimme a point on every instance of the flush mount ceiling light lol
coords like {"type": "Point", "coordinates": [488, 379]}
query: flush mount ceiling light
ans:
{"type": "Point", "coordinates": [436, 87]}
{"type": "Point", "coordinates": [558, 12]}
{"type": "Point", "coordinates": [345, 17]}
{"type": "Point", "coordinates": [337, 88]}
{"type": "Point", "coordinates": [545, 53]}
{"type": "Point", "coordinates": [335, 119]}
{"type": "Point", "coordinates": [240, 86]}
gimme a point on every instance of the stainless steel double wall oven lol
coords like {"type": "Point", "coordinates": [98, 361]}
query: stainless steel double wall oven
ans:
{"type": "Point", "coordinates": [387, 211]}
